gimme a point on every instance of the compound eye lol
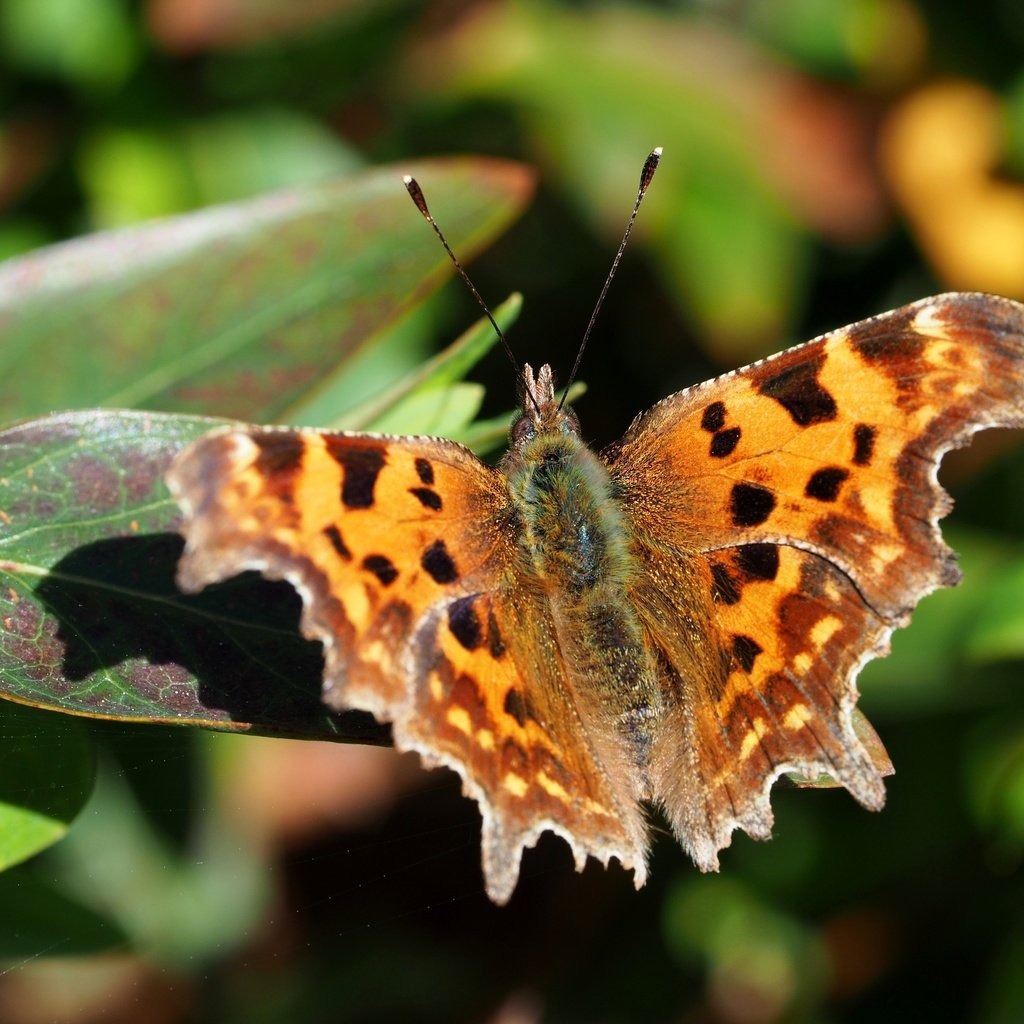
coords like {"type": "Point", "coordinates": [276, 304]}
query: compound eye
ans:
{"type": "Point", "coordinates": [522, 430]}
{"type": "Point", "coordinates": [570, 422]}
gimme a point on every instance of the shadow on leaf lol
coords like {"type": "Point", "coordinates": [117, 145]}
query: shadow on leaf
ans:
{"type": "Point", "coordinates": [132, 646]}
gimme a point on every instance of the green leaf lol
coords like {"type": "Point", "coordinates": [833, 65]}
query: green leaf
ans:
{"type": "Point", "coordinates": [447, 367]}
{"type": "Point", "coordinates": [47, 768]}
{"type": "Point", "coordinates": [932, 665]}
{"type": "Point", "coordinates": [242, 153]}
{"type": "Point", "coordinates": [178, 905]}
{"type": "Point", "coordinates": [998, 630]}
{"type": "Point", "coordinates": [442, 411]}
{"type": "Point", "coordinates": [994, 776]}
{"type": "Point", "coordinates": [91, 621]}
{"type": "Point", "coordinates": [94, 43]}
{"type": "Point", "coordinates": [238, 309]}
{"type": "Point", "coordinates": [745, 943]}
{"type": "Point", "coordinates": [38, 920]}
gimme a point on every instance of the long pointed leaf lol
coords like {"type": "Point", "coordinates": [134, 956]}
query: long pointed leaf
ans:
{"type": "Point", "coordinates": [237, 310]}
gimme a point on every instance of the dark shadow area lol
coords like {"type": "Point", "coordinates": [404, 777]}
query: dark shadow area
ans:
{"type": "Point", "coordinates": [232, 653]}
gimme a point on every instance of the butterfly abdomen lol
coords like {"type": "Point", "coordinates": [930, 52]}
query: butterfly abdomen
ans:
{"type": "Point", "coordinates": [575, 543]}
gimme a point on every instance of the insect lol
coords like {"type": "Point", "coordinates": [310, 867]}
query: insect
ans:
{"type": "Point", "coordinates": [678, 620]}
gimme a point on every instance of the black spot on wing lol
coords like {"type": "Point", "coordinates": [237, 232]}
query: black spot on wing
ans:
{"type": "Point", "coordinates": [333, 534]}
{"type": "Point", "coordinates": [464, 623]}
{"type": "Point", "coordinates": [759, 561]}
{"type": "Point", "coordinates": [279, 452]}
{"type": "Point", "coordinates": [889, 338]}
{"type": "Point", "coordinates": [425, 471]}
{"type": "Point", "coordinates": [824, 483]}
{"type": "Point", "coordinates": [515, 706]}
{"type": "Point", "coordinates": [438, 563]}
{"type": "Point", "coordinates": [750, 505]}
{"type": "Point", "coordinates": [382, 567]}
{"type": "Point", "coordinates": [863, 444]}
{"type": "Point", "coordinates": [427, 498]}
{"type": "Point", "coordinates": [361, 462]}
{"type": "Point", "coordinates": [745, 650]}
{"type": "Point", "coordinates": [724, 442]}
{"type": "Point", "coordinates": [797, 390]}
{"type": "Point", "coordinates": [713, 418]}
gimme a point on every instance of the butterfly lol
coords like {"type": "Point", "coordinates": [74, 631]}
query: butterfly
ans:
{"type": "Point", "coordinates": [678, 620]}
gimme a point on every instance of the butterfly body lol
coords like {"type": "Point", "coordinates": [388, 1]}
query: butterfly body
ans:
{"type": "Point", "coordinates": [575, 550]}
{"type": "Point", "coordinates": [677, 620]}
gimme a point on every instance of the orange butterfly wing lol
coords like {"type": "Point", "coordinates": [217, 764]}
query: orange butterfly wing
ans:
{"type": "Point", "coordinates": [792, 509]}
{"type": "Point", "coordinates": [404, 552]}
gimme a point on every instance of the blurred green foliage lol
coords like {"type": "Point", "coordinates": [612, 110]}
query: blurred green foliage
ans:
{"type": "Point", "coordinates": [183, 892]}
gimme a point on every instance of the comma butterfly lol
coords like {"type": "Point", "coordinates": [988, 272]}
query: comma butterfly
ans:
{"type": "Point", "coordinates": [678, 620]}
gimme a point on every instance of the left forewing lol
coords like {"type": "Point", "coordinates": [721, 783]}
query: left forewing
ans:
{"type": "Point", "coordinates": [372, 531]}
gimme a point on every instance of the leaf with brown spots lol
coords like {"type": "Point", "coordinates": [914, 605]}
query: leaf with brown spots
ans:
{"type": "Point", "coordinates": [679, 622]}
{"type": "Point", "coordinates": [239, 309]}
{"type": "Point", "coordinates": [91, 622]}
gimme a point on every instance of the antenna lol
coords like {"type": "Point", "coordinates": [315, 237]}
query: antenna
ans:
{"type": "Point", "coordinates": [414, 190]}
{"type": "Point", "coordinates": [646, 175]}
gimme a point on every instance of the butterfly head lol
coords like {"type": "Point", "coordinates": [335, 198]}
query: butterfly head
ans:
{"type": "Point", "coordinates": [542, 414]}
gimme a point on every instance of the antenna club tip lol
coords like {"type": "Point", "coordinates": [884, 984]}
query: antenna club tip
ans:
{"type": "Point", "coordinates": [657, 151]}
{"type": "Point", "coordinates": [414, 190]}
